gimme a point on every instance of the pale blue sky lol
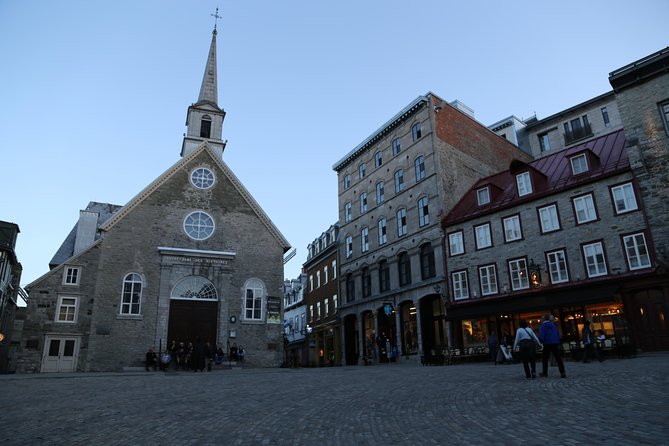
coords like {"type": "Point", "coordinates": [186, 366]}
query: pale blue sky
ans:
{"type": "Point", "coordinates": [93, 95]}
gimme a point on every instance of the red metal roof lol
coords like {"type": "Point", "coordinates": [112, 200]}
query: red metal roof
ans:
{"type": "Point", "coordinates": [606, 154]}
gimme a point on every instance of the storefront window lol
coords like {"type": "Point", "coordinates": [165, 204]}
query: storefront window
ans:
{"type": "Point", "coordinates": [409, 329]}
{"type": "Point", "coordinates": [474, 332]}
{"type": "Point", "coordinates": [368, 323]}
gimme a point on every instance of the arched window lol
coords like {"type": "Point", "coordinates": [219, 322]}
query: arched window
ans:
{"type": "Point", "coordinates": [254, 298]}
{"type": "Point", "coordinates": [131, 297]}
{"type": "Point", "coordinates": [205, 127]}
{"type": "Point", "coordinates": [404, 268]}
{"type": "Point", "coordinates": [416, 132]}
{"type": "Point", "coordinates": [194, 287]}
{"type": "Point", "coordinates": [384, 276]}
{"type": "Point", "coordinates": [350, 288]}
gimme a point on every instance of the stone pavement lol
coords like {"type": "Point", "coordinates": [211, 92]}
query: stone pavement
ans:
{"type": "Point", "coordinates": [617, 402]}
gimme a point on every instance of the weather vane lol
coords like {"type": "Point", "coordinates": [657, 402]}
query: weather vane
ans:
{"type": "Point", "coordinates": [216, 17]}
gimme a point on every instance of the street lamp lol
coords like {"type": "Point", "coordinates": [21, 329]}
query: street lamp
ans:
{"type": "Point", "coordinates": [535, 274]}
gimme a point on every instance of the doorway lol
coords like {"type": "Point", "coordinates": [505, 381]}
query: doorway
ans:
{"type": "Point", "coordinates": [191, 319]}
{"type": "Point", "coordinates": [60, 354]}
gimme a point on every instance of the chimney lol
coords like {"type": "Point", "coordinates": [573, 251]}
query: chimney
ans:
{"type": "Point", "coordinates": [86, 230]}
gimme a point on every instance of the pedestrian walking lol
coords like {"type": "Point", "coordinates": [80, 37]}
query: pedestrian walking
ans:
{"type": "Point", "coordinates": [492, 346]}
{"type": "Point", "coordinates": [589, 349]}
{"type": "Point", "coordinates": [549, 336]}
{"type": "Point", "coordinates": [526, 344]}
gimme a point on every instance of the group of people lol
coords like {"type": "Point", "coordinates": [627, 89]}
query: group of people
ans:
{"type": "Point", "coordinates": [526, 344]}
{"type": "Point", "coordinates": [189, 356]}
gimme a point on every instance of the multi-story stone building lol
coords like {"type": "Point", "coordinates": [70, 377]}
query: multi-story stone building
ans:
{"type": "Point", "coordinates": [581, 232]}
{"type": "Point", "coordinates": [642, 94]}
{"type": "Point", "coordinates": [322, 300]}
{"type": "Point", "coordinates": [392, 189]}
{"type": "Point", "coordinates": [294, 322]}
{"type": "Point", "coordinates": [10, 277]}
{"type": "Point", "coordinates": [191, 258]}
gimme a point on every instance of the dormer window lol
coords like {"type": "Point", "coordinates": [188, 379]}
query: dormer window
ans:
{"type": "Point", "coordinates": [483, 196]}
{"type": "Point", "coordinates": [524, 184]}
{"type": "Point", "coordinates": [205, 127]}
{"type": "Point", "coordinates": [579, 164]}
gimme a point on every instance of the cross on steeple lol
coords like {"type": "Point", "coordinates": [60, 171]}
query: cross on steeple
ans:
{"type": "Point", "coordinates": [216, 17]}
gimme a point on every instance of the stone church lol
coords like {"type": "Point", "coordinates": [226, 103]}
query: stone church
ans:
{"type": "Point", "coordinates": [191, 256]}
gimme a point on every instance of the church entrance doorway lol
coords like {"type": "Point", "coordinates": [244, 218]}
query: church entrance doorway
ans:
{"type": "Point", "coordinates": [193, 311]}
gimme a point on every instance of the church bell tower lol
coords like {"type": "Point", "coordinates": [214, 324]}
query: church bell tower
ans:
{"type": "Point", "coordinates": [204, 120]}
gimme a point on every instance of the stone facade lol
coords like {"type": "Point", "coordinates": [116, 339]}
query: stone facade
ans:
{"type": "Point", "coordinates": [442, 152]}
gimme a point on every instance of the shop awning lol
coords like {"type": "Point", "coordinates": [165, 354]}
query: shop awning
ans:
{"type": "Point", "coordinates": [533, 301]}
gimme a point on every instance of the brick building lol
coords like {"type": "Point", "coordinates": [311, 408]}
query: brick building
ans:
{"type": "Point", "coordinates": [190, 256]}
{"type": "Point", "coordinates": [392, 189]}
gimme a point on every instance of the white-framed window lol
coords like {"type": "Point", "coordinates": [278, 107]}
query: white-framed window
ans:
{"type": "Point", "coordinates": [348, 212]}
{"type": "Point", "coordinates": [131, 296]}
{"type": "Point", "coordinates": [456, 243]}
{"type": "Point", "coordinates": [325, 274]}
{"type": "Point", "coordinates": [548, 218]}
{"type": "Point", "coordinates": [71, 275]}
{"type": "Point", "coordinates": [488, 280]}
{"type": "Point", "coordinates": [311, 282]}
{"type": "Point", "coordinates": [334, 303]}
{"type": "Point", "coordinates": [202, 178]}
{"type": "Point", "coordinates": [396, 146]}
{"type": "Point", "coordinates": [402, 222]}
{"type": "Point", "coordinates": [512, 230]}
{"type": "Point", "coordinates": [347, 181]}
{"type": "Point", "coordinates": [318, 310]}
{"type": "Point", "coordinates": [483, 236]}
{"type": "Point", "coordinates": [636, 250]}
{"type": "Point", "coordinates": [524, 184]}
{"type": "Point", "coordinates": [334, 269]}
{"type": "Point", "coordinates": [460, 285]}
{"type": "Point", "coordinates": [380, 194]}
{"type": "Point", "coordinates": [579, 164]}
{"type": "Point", "coordinates": [378, 159]}
{"type": "Point", "coordinates": [420, 168]}
{"type": "Point", "coordinates": [383, 231]}
{"type": "Point", "coordinates": [67, 309]}
{"type": "Point", "coordinates": [254, 298]}
{"type": "Point", "coordinates": [199, 225]}
{"type": "Point", "coordinates": [311, 313]}
{"type": "Point", "coordinates": [584, 207]}
{"type": "Point", "coordinates": [362, 171]}
{"type": "Point", "coordinates": [557, 266]}
{"type": "Point", "coordinates": [483, 196]}
{"type": "Point", "coordinates": [318, 279]}
{"type": "Point", "coordinates": [399, 181]}
{"type": "Point", "coordinates": [416, 132]}
{"type": "Point", "coordinates": [624, 199]}
{"type": "Point", "coordinates": [349, 246]}
{"type": "Point", "coordinates": [595, 263]}
{"type": "Point", "coordinates": [423, 212]}
{"type": "Point", "coordinates": [519, 275]}
{"type": "Point", "coordinates": [363, 202]}
{"type": "Point", "coordinates": [364, 240]}
{"type": "Point", "coordinates": [326, 303]}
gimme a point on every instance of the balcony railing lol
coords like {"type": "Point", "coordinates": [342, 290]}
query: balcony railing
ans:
{"type": "Point", "coordinates": [578, 133]}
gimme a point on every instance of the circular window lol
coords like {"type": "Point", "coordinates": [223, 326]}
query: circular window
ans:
{"type": "Point", "coordinates": [199, 225]}
{"type": "Point", "coordinates": [202, 178]}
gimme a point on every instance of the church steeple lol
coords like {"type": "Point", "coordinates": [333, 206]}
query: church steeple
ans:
{"type": "Point", "coordinates": [204, 120]}
{"type": "Point", "coordinates": [209, 88]}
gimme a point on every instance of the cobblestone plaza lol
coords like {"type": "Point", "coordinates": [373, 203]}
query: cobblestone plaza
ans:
{"type": "Point", "coordinates": [617, 402]}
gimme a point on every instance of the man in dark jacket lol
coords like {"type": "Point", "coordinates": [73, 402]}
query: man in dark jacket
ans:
{"type": "Point", "coordinates": [550, 338]}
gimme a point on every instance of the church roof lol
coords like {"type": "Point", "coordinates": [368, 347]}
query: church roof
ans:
{"type": "Point", "coordinates": [227, 172]}
{"type": "Point", "coordinates": [66, 250]}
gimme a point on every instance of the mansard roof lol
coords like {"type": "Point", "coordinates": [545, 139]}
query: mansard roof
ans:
{"type": "Point", "coordinates": [550, 174]}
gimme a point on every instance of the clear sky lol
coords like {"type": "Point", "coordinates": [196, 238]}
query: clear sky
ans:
{"type": "Point", "coordinates": [93, 95]}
